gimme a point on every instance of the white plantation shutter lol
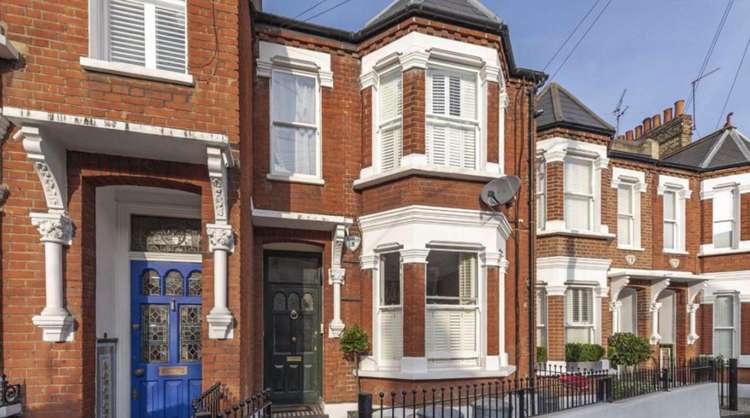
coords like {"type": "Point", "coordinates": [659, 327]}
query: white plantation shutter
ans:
{"type": "Point", "coordinates": [390, 96]}
{"type": "Point", "coordinates": [451, 333]}
{"type": "Point", "coordinates": [144, 34]}
{"type": "Point", "coordinates": [391, 334]}
{"type": "Point", "coordinates": [452, 119]}
{"type": "Point", "coordinates": [466, 278]}
{"type": "Point", "coordinates": [127, 41]}
{"type": "Point", "coordinates": [579, 314]}
{"type": "Point", "coordinates": [724, 331]}
{"type": "Point", "coordinates": [170, 39]}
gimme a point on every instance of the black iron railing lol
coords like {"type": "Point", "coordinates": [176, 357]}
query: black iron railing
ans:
{"type": "Point", "coordinates": [214, 403]}
{"type": "Point", "coordinates": [548, 390]}
{"type": "Point", "coordinates": [9, 394]}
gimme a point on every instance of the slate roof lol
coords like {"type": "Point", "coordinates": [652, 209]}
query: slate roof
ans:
{"type": "Point", "coordinates": [726, 147]}
{"type": "Point", "coordinates": [472, 10]}
{"type": "Point", "coordinates": [562, 109]}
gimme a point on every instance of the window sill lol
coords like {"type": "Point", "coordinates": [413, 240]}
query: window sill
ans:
{"type": "Point", "coordinates": [579, 234]}
{"type": "Point", "coordinates": [630, 248]}
{"type": "Point", "coordinates": [135, 71]}
{"type": "Point", "coordinates": [296, 179]}
{"type": "Point", "coordinates": [426, 170]}
{"type": "Point", "coordinates": [710, 251]}
{"type": "Point", "coordinates": [675, 252]}
{"type": "Point", "coordinates": [438, 374]}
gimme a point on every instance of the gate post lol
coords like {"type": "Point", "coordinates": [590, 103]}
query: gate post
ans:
{"type": "Point", "coordinates": [665, 380]}
{"type": "Point", "coordinates": [732, 384]}
{"type": "Point", "coordinates": [364, 405]}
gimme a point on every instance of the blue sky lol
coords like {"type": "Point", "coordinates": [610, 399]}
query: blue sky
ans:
{"type": "Point", "coordinates": [654, 48]}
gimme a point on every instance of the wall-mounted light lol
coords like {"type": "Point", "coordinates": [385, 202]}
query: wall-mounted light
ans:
{"type": "Point", "coordinates": [352, 241]}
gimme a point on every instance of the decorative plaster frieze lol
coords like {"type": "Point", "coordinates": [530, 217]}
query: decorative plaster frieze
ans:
{"type": "Point", "coordinates": [217, 174]}
{"type": "Point", "coordinates": [53, 227]}
{"type": "Point", "coordinates": [336, 278]}
{"type": "Point", "coordinates": [220, 237]}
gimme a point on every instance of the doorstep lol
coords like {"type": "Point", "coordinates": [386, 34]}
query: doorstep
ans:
{"type": "Point", "coordinates": [298, 411]}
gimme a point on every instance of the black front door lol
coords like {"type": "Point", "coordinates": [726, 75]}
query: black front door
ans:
{"type": "Point", "coordinates": [293, 326]}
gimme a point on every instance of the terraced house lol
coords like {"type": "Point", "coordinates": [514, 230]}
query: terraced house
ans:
{"type": "Point", "coordinates": [643, 233]}
{"type": "Point", "coordinates": [199, 192]}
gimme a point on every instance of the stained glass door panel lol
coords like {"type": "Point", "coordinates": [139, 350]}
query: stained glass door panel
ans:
{"type": "Point", "coordinates": [166, 338]}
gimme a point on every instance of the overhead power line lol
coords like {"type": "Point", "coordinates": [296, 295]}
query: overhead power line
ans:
{"type": "Point", "coordinates": [570, 35]}
{"type": "Point", "coordinates": [310, 8]}
{"type": "Point", "coordinates": [335, 6]}
{"type": "Point", "coordinates": [734, 82]}
{"type": "Point", "coordinates": [591, 26]}
{"type": "Point", "coordinates": [712, 46]}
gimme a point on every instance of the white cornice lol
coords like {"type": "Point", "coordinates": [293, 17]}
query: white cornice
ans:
{"type": "Point", "coordinates": [741, 181]}
{"type": "Point", "coordinates": [626, 176]}
{"type": "Point", "coordinates": [435, 215]}
{"type": "Point", "coordinates": [273, 55]}
{"type": "Point", "coordinates": [679, 184]}
{"type": "Point", "coordinates": [301, 220]}
{"type": "Point", "coordinates": [574, 262]}
{"type": "Point", "coordinates": [557, 148]}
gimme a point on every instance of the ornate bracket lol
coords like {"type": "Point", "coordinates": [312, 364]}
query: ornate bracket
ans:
{"type": "Point", "coordinates": [217, 175]}
{"type": "Point", "coordinates": [692, 308]}
{"type": "Point", "coordinates": [50, 165]}
{"type": "Point", "coordinates": [336, 278]}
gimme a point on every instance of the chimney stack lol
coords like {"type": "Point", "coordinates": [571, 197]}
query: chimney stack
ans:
{"type": "Point", "coordinates": [679, 108]}
{"type": "Point", "coordinates": [638, 131]}
{"type": "Point", "coordinates": [629, 136]}
{"type": "Point", "coordinates": [646, 125]}
{"type": "Point", "coordinates": [668, 114]}
{"type": "Point", "coordinates": [656, 121]}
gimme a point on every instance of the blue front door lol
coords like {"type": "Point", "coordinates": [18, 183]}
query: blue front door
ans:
{"type": "Point", "coordinates": [166, 338]}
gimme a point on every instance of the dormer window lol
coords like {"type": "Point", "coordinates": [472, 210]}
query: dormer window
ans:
{"type": "Point", "coordinates": [390, 113]}
{"type": "Point", "coordinates": [452, 123]}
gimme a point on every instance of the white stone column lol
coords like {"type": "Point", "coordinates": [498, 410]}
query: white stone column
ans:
{"type": "Point", "coordinates": [220, 319]}
{"type": "Point", "coordinates": [56, 230]}
{"type": "Point", "coordinates": [221, 244]}
{"type": "Point", "coordinates": [692, 292]}
{"type": "Point", "coordinates": [616, 309]}
{"type": "Point", "coordinates": [655, 337]}
{"type": "Point", "coordinates": [336, 279]}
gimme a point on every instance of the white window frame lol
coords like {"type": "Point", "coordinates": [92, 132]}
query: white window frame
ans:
{"type": "Point", "coordinates": [541, 195]}
{"type": "Point", "coordinates": [297, 177]}
{"type": "Point", "coordinates": [570, 322]}
{"type": "Point", "coordinates": [456, 121]}
{"type": "Point", "coordinates": [99, 55]}
{"type": "Point", "coordinates": [379, 126]}
{"type": "Point", "coordinates": [591, 198]}
{"type": "Point", "coordinates": [541, 317]}
{"type": "Point", "coordinates": [636, 180]}
{"type": "Point", "coordinates": [734, 219]}
{"type": "Point", "coordinates": [734, 328]}
{"type": "Point", "coordinates": [476, 308]}
{"type": "Point", "coordinates": [382, 309]}
{"type": "Point", "coordinates": [681, 189]}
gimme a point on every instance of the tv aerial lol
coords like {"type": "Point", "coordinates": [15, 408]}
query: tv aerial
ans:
{"type": "Point", "coordinates": [620, 111]}
{"type": "Point", "coordinates": [500, 191]}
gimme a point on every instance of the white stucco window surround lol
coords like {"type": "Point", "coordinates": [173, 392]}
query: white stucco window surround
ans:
{"type": "Point", "coordinates": [560, 275]}
{"type": "Point", "coordinates": [583, 163]}
{"type": "Point", "coordinates": [726, 193]}
{"type": "Point", "coordinates": [145, 39]}
{"type": "Point", "coordinates": [475, 66]}
{"type": "Point", "coordinates": [630, 184]}
{"type": "Point", "coordinates": [297, 77]}
{"type": "Point", "coordinates": [418, 234]}
{"type": "Point", "coordinates": [46, 139]}
{"type": "Point", "coordinates": [675, 191]}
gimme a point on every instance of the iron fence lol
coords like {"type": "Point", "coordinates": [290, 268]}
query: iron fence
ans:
{"type": "Point", "coordinates": [214, 403]}
{"type": "Point", "coordinates": [548, 390]}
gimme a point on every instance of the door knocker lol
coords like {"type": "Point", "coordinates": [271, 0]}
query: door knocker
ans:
{"type": "Point", "coordinates": [294, 314]}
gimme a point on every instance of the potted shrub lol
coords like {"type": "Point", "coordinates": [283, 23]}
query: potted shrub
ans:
{"type": "Point", "coordinates": [583, 356]}
{"type": "Point", "coordinates": [541, 355]}
{"type": "Point", "coordinates": [354, 343]}
{"type": "Point", "coordinates": [628, 350]}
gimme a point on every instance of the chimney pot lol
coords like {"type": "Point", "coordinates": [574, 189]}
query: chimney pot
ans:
{"type": "Point", "coordinates": [679, 108]}
{"type": "Point", "coordinates": [638, 131]}
{"type": "Point", "coordinates": [656, 121]}
{"type": "Point", "coordinates": [667, 115]}
{"type": "Point", "coordinates": [646, 125]}
{"type": "Point", "coordinates": [629, 136]}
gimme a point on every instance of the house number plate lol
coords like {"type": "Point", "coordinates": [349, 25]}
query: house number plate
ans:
{"type": "Point", "coordinates": [173, 371]}
{"type": "Point", "coordinates": [293, 359]}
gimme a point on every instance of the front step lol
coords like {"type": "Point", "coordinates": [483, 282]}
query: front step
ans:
{"type": "Point", "coordinates": [298, 411]}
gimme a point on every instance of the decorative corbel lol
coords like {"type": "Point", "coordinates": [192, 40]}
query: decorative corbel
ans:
{"type": "Point", "coordinates": [656, 290]}
{"type": "Point", "coordinates": [55, 229]}
{"type": "Point", "coordinates": [692, 307]}
{"type": "Point", "coordinates": [221, 244]}
{"type": "Point", "coordinates": [336, 278]}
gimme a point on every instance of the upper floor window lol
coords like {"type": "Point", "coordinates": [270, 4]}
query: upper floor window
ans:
{"type": "Point", "coordinates": [672, 225]}
{"type": "Point", "coordinates": [390, 109]}
{"type": "Point", "coordinates": [725, 210]}
{"type": "Point", "coordinates": [295, 133]}
{"type": "Point", "coordinates": [452, 121]}
{"type": "Point", "coordinates": [579, 193]}
{"type": "Point", "coordinates": [541, 195]}
{"type": "Point", "coordinates": [390, 316]}
{"type": "Point", "coordinates": [144, 33]}
{"type": "Point", "coordinates": [626, 215]}
{"type": "Point", "coordinates": [579, 315]}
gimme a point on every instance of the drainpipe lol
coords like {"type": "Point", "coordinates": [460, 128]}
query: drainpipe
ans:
{"type": "Point", "coordinates": [532, 226]}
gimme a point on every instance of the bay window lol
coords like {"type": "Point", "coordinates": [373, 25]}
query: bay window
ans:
{"type": "Point", "coordinates": [725, 333]}
{"type": "Point", "coordinates": [452, 311]}
{"type": "Point", "coordinates": [579, 315]}
{"type": "Point", "coordinates": [295, 131]}
{"type": "Point", "coordinates": [579, 193]}
{"type": "Point", "coordinates": [725, 210]}
{"type": "Point", "coordinates": [390, 316]}
{"type": "Point", "coordinates": [390, 109]}
{"type": "Point", "coordinates": [452, 123]}
{"type": "Point", "coordinates": [671, 221]}
{"type": "Point", "coordinates": [541, 195]}
{"type": "Point", "coordinates": [143, 33]}
{"type": "Point", "coordinates": [626, 222]}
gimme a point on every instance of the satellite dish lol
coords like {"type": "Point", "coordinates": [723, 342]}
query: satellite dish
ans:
{"type": "Point", "coordinates": [500, 191]}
